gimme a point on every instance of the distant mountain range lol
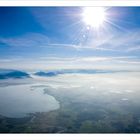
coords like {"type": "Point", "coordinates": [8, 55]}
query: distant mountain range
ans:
{"type": "Point", "coordinates": [14, 74]}
{"type": "Point", "coordinates": [17, 74]}
{"type": "Point", "coordinates": [49, 74]}
{"type": "Point", "coordinates": [71, 71]}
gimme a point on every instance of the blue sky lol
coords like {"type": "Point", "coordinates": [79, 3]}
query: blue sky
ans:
{"type": "Point", "coordinates": [57, 36]}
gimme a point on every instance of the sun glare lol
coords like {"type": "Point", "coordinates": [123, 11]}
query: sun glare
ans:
{"type": "Point", "coordinates": [94, 16]}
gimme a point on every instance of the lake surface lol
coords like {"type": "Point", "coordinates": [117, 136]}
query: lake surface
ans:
{"type": "Point", "coordinates": [19, 100]}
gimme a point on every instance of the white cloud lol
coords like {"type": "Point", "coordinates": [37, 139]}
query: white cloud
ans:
{"type": "Point", "coordinates": [135, 48]}
{"type": "Point", "coordinates": [117, 41]}
{"type": "Point", "coordinates": [27, 40]}
{"type": "Point", "coordinates": [118, 63]}
{"type": "Point", "coordinates": [127, 41]}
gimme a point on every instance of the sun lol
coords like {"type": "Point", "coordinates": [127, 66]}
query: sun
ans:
{"type": "Point", "coordinates": [94, 16]}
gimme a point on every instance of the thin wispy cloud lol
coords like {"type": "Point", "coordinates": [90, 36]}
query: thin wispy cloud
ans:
{"type": "Point", "coordinates": [116, 42]}
{"type": "Point", "coordinates": [27, 40]}
{"type": "Point", "coordinates": [119, 63]}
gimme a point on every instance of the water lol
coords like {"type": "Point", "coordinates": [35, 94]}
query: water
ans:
{"type": "Point", "coordinates": [19, 100]}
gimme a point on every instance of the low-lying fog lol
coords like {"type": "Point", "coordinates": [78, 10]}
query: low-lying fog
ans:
{"type": "Point", "coordinates": [119, 91]}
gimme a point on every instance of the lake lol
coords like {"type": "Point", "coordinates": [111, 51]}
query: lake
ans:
{"type": "Point", "coordinates": [20, 100]}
